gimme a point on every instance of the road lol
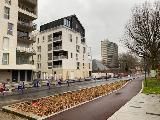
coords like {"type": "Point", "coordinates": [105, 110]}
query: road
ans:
{"type": "Point", "coordinates": [42, 92]}
{"type": "Point", "coordinates": [102, 108]}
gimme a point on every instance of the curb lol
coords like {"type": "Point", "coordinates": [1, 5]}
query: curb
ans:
{"type": "Point", "coordinates": [35, 117]}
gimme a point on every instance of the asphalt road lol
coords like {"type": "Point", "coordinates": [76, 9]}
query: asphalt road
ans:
{"type": "Point", "coordinates": [102, 108]}
{"type": "Point", "coordinates": [42, 92]}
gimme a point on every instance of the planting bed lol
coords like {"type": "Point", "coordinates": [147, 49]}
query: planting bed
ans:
{"type": "Point", "coordinates": [50, 105]}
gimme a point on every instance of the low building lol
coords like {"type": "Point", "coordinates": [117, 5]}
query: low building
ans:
{"type": "Point", "coordinates": [62, 51]}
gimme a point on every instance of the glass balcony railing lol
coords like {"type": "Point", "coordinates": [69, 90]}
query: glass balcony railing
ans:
{"type": "Point", "coordinates": [57, 38]}
{"type": "Point", "coordinates": [57, 48]}
{"type": "Point", "coordinates": [28, 25]}
{"type": "Point", "coordinates": [59, 57]}
{"type": "Point", "coordinates": [57, 66]}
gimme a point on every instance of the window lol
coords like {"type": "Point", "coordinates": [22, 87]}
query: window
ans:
{"type": "Point", "coordinates": [67, 23]}
{"type": "Point", "coordinates": [70, 37]}
{"type": "Point", "coordinates": [89, 66]}
{"type": "Point", "coordinates": [38, 40]}
{"type": "Point", "coordinates": [39, 48]}
{"type": "Point", "coordinates": [5, 59]}
{"type": "Point", "coordinates": [43, 38]}
{"type": "Point", "coordinates": [84, 50]}
{"type": "Point", "coordinates": [78, 65]}
{"type": "Point", "coordinates": [5, 43]}
{"type": "Point", "coordinates": [49, 47]}
{"type": "Point", "coordinates": [39, 65]}
{"type": "Point", "coordinates": [83, 65]}
{"type": "Point", "coordinates": [77, 48]}
{"type": "Point", "coordinates": [10, 29]}
{"type": "Point", "coordinates": [49, 37]}
{"type": "Point", "coordinates": [49, 56]}
{"type": "Point", "coordinates": [6, 12]}
{"type": "Point", "coordinates": [76, 40]}
{"type": "Point", "coordinates": [50, 65]}
{"type": "Point", "coordinates": [71, 55]}
{"type": "Point", "coordinates": [8, 2]}
{"type": "Point", "coordinates": [39, 57]}
{"type": "Point", "coordinates": [76, 56]}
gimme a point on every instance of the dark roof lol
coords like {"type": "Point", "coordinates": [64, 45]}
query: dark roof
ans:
{"type": "Point", "coordinates": [58, 22]}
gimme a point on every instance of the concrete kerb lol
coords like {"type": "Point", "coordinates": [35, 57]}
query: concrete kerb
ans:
{"type": "Point", "coordinates": [35, 117]}
{"type": "Point", "coordinates": [132, 98]}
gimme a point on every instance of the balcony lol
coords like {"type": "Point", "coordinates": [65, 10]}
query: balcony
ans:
{"type": "Point", "coordinates": [26, 39]}
{"type": "Point", "coordinates": [57, 66]}
{"type": "Point", "coordinates": [27, 26]}
{"type": "Point", "coordinates": [55, 58]}
{"type": "Point", "coordinates": [25, 50]}
{"type": "Point", "coordinates": [25, 11]}
{"type": "Point", "coordinates": [29, 2]}
{"type": "Point", "coordinates": [57, 48]}
{"type": "Point", "coordinates": [56, 39]}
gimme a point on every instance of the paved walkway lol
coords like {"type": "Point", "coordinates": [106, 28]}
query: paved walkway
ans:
{"type": "Point", "coordinates": [104, 107]}
{"type": "Point", "coordinates": [141, 107]}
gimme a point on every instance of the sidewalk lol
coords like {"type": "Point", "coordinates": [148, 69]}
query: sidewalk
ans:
{"type": "Point", "coordinates": [141, 107]}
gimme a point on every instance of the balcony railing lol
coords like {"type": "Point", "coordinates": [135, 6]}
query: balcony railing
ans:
{"type": "Point", "coordinates": [57, 66]}
{"type": "Point", "coordinates": [59, 57]}
{"type": "Point", "coordinates": [30, 10]}
{"type": "Point", "coordinates": [30, 25]}
{"type": "Point", "coordinates": [26, 39]}
{"type": "Point", "coordinates": [57, 38]}
{"type": "Point", "coordinates": [26, 50]}
{"type": "Point", "coordinates": [31, 1]}
{"type": "Point", "coordinates": [57, 48]}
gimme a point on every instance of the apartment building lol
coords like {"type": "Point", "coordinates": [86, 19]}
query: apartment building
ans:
{"type": "Point", "coordinates": [16, 50]}
{"type": "Point", "coordinates": [61, 49]}
{"type": "Point", "coordinates": [109, 53]}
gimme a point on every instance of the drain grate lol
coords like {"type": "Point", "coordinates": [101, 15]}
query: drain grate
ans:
{"type": "Point", "coordinates": [153, 114]}
{"type": "Point", "coordinates": [135, 106]}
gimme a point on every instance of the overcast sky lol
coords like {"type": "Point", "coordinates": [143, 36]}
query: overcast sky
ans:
{"type": "Point", "coordinates": [101, 18]}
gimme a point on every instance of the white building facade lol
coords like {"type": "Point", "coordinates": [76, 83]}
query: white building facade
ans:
{"type": "Point", "coordinates": [61, 49]}
{"type": "Point", "coordinates": [16, 51]}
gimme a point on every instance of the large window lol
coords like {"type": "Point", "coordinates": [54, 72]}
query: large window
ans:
{"type": "Point", "coordinates": [49, 56]}
{"type": "Point", "coordinates": [49, 65]}
{"type": "Point", "coordinates": [5, 43]}
{"type": "Point", "coordinates": [49, 37]}
{"type": "Point", "coordinates": [10, 29]}
{"type": "Point", "coordinates": [39, 57]}
{"type": "Point", "coordinates": [49, 47]}
{"type": "Point", "coordinates": [6, 12]}
{"type": "Point", "coordinates": [5, 59]}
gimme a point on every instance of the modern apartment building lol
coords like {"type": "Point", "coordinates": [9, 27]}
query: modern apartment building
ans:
{"type": "Point", "coordinates": [61, 50]}
{"type": "Point", "coordinates": [109, 53]}
{"type": "Point", "coordinates": [16, 51]}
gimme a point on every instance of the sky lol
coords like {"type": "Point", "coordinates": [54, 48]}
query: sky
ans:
{"type": "Point", "coordinates": [102, 19]}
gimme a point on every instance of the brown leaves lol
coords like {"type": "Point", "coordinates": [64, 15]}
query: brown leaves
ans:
{"type": "Point", "coordinates": [53, 104]}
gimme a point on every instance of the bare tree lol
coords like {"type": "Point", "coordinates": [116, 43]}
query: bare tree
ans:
{"type": "Point", "coordinates": [128, 61]}
{"type": "Point", "coordinates": [142, 35]}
